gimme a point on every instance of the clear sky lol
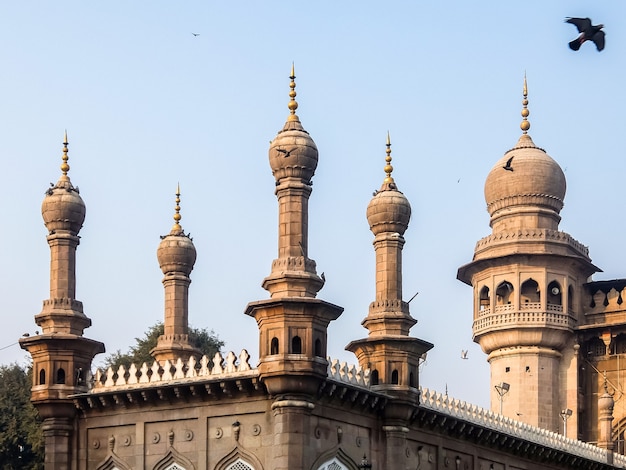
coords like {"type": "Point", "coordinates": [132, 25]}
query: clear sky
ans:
{"type": "Point", "coordinates": [147, 104]}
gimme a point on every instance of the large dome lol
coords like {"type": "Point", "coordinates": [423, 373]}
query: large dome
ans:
{"type": "Point", "coordinates": [532, 177]}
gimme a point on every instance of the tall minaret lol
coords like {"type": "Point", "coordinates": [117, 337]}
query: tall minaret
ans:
{"type": "Point", "coordinates": [525, 277]}
{"type": "Point", "coordinates": [176, 255]}
{"type": "Point", "coordinates": [293, 323]}
{"type": "Point", "coordinates": [389, 352]}
{"type": "Point", "coordinates": [61, 355]}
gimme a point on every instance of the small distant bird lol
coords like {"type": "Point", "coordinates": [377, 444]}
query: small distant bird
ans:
{"type": "Point", "coordinates": [588, 32]}
{"type": "Point", "coordinates": [196, 34]}
{"type": "Point", "coordinates": [463, 353]}
{"type": "Point", "coordinates": [26, 335]}
{"type": "Point", "coordinates": [375, 192]}
{"type": "Point", "coordinates": [508, 166]}
{"type": "Point", "coordinates": [323, 276]}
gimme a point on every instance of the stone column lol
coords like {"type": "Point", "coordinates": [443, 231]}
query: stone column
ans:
{"type": "Point", "coordinates": [292, 431]}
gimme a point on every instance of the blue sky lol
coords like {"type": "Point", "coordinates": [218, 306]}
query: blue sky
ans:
{"type": "Point", "coordinates": [147, 104]}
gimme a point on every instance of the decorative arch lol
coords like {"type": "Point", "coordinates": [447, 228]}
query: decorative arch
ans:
{"type": "Point", "coordinates": [274, 346]}
{"type": "Point", "coordinates": [112, 462]}
{"type": "Point", "coordinates": [555, 293]}
{"type": "Point", "coordinates": [239, 459]}
{"type": "Point", "coordinates": [484, 298]}
{"type": "Point", "coordinates": [335, 459]}
{"type": "Point", "coordinates": [530, 292]}
{"type": "Point", "coordinates": [504, 293]}
{"type": "Point", "coordinates": [174, 460]}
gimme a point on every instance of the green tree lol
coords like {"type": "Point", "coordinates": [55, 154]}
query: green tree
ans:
{"type": "Point", "coordinates": [203, 339]}
{"type": "Point", "coordinates": [21, 439]}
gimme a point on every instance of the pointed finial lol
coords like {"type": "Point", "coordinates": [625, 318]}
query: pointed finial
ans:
{"type": "Point", "coordinates": [388, 167]}
{"type": "Point", "coordinates": [293, 104]}
{"type": "Point", "coordinates": [525, 125]}
{"type": "Point", "coordinates": [177, 216]}
{"type": "Point", "coordinates": [64, 166]}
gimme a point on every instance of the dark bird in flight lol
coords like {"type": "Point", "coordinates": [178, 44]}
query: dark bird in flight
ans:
{"type": "Point", "coordinates": [286, 152]}
{"type": "Point", "coordinates": [508, 166]}
{"type": "Point", "coordinates": [196, 34]}
{"type": "Point", "coordinates": [463, 353]}
{"type": "Point", "coordinates": [588, 32]}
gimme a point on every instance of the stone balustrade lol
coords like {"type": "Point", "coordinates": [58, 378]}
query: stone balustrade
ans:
{"type": "Point", "coordinates": [474, 414]}
{"type": "Point", "coordinates": [531, 235]}
{"type": "Point", "coordinates": [527, 318]}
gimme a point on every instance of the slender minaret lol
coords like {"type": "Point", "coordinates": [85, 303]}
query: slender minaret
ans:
{"type": "Point", "coordinates": [293, 323]}
{"type": "Point", "coordinates": [525, 277]}
{"type": "Point", "coordinates": [176, 255]}
{"type": "Point", "coordinates": [605, 419]}
{"type": "Point", "coordinates": [391, 355]}
{"type": "Point", "coordinates": [61, 355]}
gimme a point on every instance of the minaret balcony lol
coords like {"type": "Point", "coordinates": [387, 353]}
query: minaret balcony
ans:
{"type": "Point", "coordinates": [531, 314]}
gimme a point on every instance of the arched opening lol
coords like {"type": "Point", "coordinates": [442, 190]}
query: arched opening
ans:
{"type": "Point", "coordinates": [595, 347]}
{"type": "Point", "coordinates": [374, 377]}
{"type": "Point", "coordinates": [239, 465]}
{"type": "Point", "coordinates": [394, 377]}
{"type": "Point", "coordinates": [274, 346]}
{"type": "Point", "coordinates": [296, 345]}
{"type": "Point", "coordinates": [318, 348]}
{"type": "Point", "coordinates": [555, 294]}
{"type": "Point", "coordinates": [60, 376]}
{"type": "Point", "coordinates": [484, 299]}
{"type": "Point", "coordinates": [570, 299]}
{"type": "Point", "coordinates": [529, 293]}
{"type": "Point", "coordinates": [42, 377]}
{"type": "Point", "coordinates": [411, 380]}
{"type": "Point", "coordinates": [504, 293]}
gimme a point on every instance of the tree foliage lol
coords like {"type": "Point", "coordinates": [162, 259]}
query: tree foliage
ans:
{"type": "Point", "coordinates": [203, 339]}
{"type": "Point", "coordinates": [21, 439]}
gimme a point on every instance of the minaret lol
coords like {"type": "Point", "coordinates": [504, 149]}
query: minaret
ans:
{"type": "Point", "coordinates": [292, 323]}
{"type": "Point", "coordinates": [61, 355]}
{"type": "Point", "coordinates": [176, 255]}
{"type": "Point", "coordinates": [391, 355]}
{"type": "Point", "coordinates": [525, 277]}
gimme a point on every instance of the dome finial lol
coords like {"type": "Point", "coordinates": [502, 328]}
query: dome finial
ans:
{"type": "Point", "coordinates": [293, 104]}
{"type": "Point", "coordinates": [525, 125]}
{"type": "Point", "coordinates": [388, 167]}
{"type": "Point", "coordinates": [177, 228]}
{"type": "Point", "coordinates": [64, 166]}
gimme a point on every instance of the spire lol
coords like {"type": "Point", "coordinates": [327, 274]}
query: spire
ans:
{"type": "Point", "coordinates": [293, 104]}
{"type": "Point", "coordinates": [525, 125]}
{"type": "Point", "coordinates": [65, 166]}
{"type": "Point", "coordinates": [388, 167]}
{"type": "Point", "coordinates": [177, 228]}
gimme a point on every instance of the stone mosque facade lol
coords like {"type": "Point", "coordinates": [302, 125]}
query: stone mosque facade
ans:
{"type": "Point", "coordinates": [553, 338]}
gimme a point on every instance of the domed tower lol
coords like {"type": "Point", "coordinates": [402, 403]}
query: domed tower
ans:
{"type": "Point", "coordinates": [293, 323]}
{"type": "Point", "coordinates": [61, 355]}
{"type": "Point", "coordinates": [176, 255]}
{"type": "Point", "coordinates": [391, 355]}
{"type": "Point", "coordinates": [525, 277]}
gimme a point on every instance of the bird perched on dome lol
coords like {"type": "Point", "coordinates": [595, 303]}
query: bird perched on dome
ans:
{"type": "Point", "coordinates": [588, 32]}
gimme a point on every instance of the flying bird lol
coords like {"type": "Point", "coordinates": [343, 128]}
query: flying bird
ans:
{"type": "Point", "coordinates": [196, 34]}
{"type": "Point", "coordinates": [508, 166]}
{"type": "Point", "coordinates": [286, 152]}
{"type": "Point", "coordinates": [588, 32]}
{"type": "Point", "coordinates": [463, 353]}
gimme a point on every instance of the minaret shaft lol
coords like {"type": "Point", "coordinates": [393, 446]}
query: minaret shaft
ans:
{"type": "Point", "coordinates": [293, 220]}
{"type": "Point", "coordinates": [63, 265]}
{"type": "Point", "coordinates": [176, 304]}
{"type": "Point", "coordinates": [388, 266]}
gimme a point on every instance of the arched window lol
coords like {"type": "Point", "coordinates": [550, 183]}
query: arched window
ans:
{"type": "Point", "coordinates": [296, 345]}
{"type": "Point", "coordinates": [529, 293]}
{"type": "Point", "coordinates": [374, 377]}
{"type": "Point", "coordinates": [60, 376]}
{"type": "Point", "coordinates": [274, 346]}
{"type": "Point", "coordinates": [394, 377]}
{"type": "Point", "coordinates": [484, 299]}
{"type": "Point", "coordinates": [239, 465]}
{"type": "Point", "coordinates": [42, 377]}
{"type": "Point", "coordinates": [503, 293]}
{"type": "Point", "coordinates": [334, 464]}
{"type": "Point", "coordinates": [318, 348]}
{"type": "Point", "coordinates": [570, 298]}
{"type": "Point", "coordinates": [411, 380]}
{"type": "Point", "coordinates": [555, 295]}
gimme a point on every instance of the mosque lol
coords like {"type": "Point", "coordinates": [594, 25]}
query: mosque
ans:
{"type": "Point", "coordinates": [553, 339]}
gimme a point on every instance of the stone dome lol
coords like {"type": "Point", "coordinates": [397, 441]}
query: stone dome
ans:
{"type": "Point", "coordinates": [534, 179]}
{"type": "Point", "coordinates": [388, 211]}
{"type": "Point", "coordinates": [176, 253]}
{"type": "Point", "coordinates": [293, 152]}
